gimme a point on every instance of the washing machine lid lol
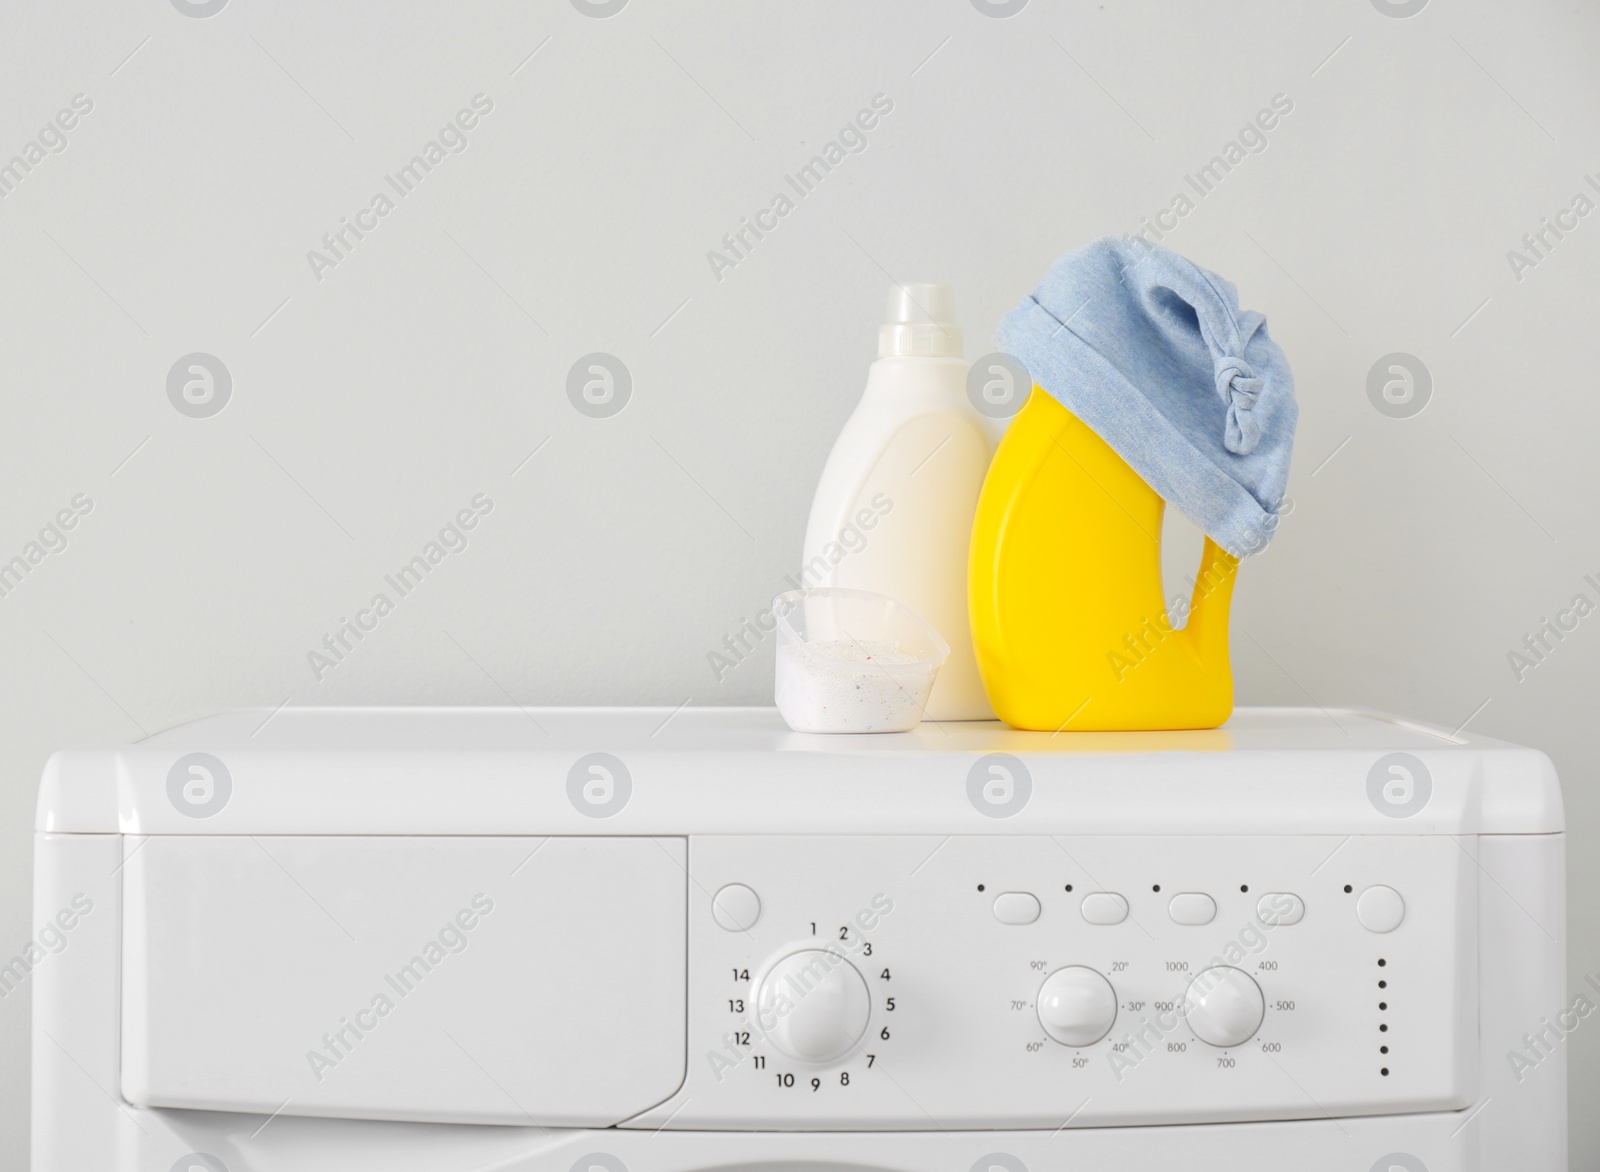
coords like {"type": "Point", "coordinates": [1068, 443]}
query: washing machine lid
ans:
{"type": "Point", "coordinates": [727, 770]}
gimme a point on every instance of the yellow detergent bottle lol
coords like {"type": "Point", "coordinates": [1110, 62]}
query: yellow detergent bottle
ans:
{"type": "Point", "coordinates": [1064, 580]}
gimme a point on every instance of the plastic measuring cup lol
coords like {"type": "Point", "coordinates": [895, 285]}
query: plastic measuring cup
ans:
{"type": "Point", "coordinates": [850, 661]}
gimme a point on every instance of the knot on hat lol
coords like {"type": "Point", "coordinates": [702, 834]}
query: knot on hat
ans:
{"type": "Point", "coordinates": [1239, 387]}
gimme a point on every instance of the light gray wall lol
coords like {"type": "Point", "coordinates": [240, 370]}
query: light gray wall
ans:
{"type": "Point", "coordinates": [370, 405]}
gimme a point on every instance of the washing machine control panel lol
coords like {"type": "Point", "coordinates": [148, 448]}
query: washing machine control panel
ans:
{"type": "Point", "coordinates": [1016, 982]}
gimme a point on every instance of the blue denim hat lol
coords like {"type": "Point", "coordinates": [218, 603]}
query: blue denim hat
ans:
{"type": "Point", "coordinates": [1153, 353]}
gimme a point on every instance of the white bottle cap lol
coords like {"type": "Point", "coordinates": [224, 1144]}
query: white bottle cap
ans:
{"type": "Point", "coordinates": [922, 322]}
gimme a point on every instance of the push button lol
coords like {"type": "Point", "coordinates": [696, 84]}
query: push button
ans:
{"type": "Point", "coordinates": [1278, 908]}
{"type": "Point", "coordinates": [1105, 907]}
{"type": "Point", "coordinates": [1192, 907]}
{"type": "Point", "coordinates": [736, 907]}
{"type": "Point", "coordinates": [1016, 907]}
{"type": "Point", "coordinates": [1380, 909]}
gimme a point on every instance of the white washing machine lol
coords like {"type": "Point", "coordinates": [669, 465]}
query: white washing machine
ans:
{"type": "Point", "coordinates": [651, 941]}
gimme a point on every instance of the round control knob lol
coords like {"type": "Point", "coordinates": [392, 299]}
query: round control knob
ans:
{"type": "Point", "coordinates": [1077, 1006]}
{"type": "Point", "coordinates": [1224, 1006]}
{"type": "Point", "coordinates": [813, 1005]}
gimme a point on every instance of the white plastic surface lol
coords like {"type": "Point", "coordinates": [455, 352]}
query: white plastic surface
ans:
{"type": "Point", "coordinates": [736, 907]}
{"type": "Point", "coordinates": [485, 980]}
{"type": "Point", "coordinates": [1381, 909]}
{"type": "Point", "coordinates": [1280, 909]}
{"type": "Point", "coordinates": [1016, 907]}
{"type": "Point", "coordinates": [1224, 1006]}
{"type": "Point", "coordinates": [812, 1005]}
{"type": "Point", "coordinates": [921, 320]}
{"type": "Point", "coordinates": [1104, 908]}
{"type": "Point", "coordinates": [955, 1033]}
{"type": "Point", "coordinates": [378, 771]}
{"type": "Point", "coordinates": [1077, 1006]}
{"type": "Point", "coordinates": [1194, 908]}
{"type": "Point", "coordinates": [894, 506]}
{"type": "Point", "coordinates": [851, 661]}
{"type": "Point", "coordinates": [962, 1068]}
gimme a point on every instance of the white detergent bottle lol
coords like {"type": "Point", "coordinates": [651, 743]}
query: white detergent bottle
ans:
{"type": "Point", "coordinates": [893, 512]}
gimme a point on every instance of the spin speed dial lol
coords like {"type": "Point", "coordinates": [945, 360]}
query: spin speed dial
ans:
{"type": "Point", "coordinates": [1224, 1006]}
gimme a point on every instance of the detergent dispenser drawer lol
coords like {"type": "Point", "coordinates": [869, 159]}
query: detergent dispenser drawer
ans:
{"type": "Point", "coordinates": [504, 980]}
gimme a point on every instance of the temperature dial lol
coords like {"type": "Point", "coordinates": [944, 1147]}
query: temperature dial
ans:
{"type": "Point", "coordinates": [1077, 1006]}
{"type": "Point", "coordinates": [813, 1005]}
{"type": "Point", "coordinates": [1224, 1006]}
